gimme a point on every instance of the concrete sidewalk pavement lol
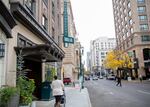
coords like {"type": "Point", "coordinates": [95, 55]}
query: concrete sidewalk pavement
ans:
{"type": "Point", "coordinates": [74, 98]}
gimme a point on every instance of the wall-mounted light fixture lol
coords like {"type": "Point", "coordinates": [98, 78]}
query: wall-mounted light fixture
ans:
{"type": "Point", "coordinates": [2, 50]}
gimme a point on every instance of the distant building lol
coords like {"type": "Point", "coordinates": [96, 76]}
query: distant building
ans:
{"type": "Point", "coordinates": [88, 62]}
{"type": "Point", "coordinates": [132, 27]}
{"type": "Point", "coordinates": [98, 50]}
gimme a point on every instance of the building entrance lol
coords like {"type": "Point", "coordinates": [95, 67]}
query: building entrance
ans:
{"type": "Point", "coordinates": [34, 71]}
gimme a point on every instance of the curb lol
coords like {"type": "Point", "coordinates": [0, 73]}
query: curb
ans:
{"type": "Point", "coordinates": [88, 97]}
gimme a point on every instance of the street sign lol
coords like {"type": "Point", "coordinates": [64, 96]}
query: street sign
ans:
{"type": "Point", "coordinates": [68, 39]}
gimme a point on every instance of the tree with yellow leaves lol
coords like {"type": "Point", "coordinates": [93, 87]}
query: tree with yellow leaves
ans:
{"type": "Point", "coordinates": [117, 59]}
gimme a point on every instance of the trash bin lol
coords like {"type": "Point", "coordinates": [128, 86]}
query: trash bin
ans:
{"type": "Point", "coordinates": [46, 91]}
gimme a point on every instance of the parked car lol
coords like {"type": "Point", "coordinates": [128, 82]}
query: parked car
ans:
{"type": "Point", "coordinates": [66, 80]}
{"type": "Point", "coordinates": [111, 77]}
{"type": "Point", "coordinates": [95, 78]}
{"type": "Point", "coordinates": [87, 78]}
{"type": "Point", "coordinates": [100, 77]}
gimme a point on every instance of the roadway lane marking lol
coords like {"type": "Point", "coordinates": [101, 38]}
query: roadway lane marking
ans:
{"type": "Point", "coordinates": [144, 92]}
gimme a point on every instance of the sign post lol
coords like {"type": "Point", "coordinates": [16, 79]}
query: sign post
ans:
{"type": "Point", "coordinates": [66, 39]}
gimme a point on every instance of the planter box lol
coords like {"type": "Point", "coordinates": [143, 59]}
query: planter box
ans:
{"type": "Point", "coordinates": [14, 101]}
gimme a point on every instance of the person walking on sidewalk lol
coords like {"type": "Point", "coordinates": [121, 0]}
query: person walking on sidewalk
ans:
{"type": "Point", "coordinates": [58, 88]}
{"type": "Point", "coordinates": [118, 81]}
{"type": "Point", "coordinates": [140, 77]}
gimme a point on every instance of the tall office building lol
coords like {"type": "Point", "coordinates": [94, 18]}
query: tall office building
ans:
{"type": "Point", "coordinates": [132, 27]}
{"type": "Point", "coordinates": [88, 62]}
{"type": "Point", "coordinates": [98, 49]}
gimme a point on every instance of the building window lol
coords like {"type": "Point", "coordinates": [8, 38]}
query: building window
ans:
{"type": "Point", "coordinates": [45, 2]}
{"type": "Point", "coordinates": [125, 18]}
{"type": "Point", "coordinates": [124, 3]}
{"type": "Point", "coordinates": [127, 34]}
{"type": "Point", "coordinates": [53, 9]}
{"type": "Point", "coordinates": [145, 38]}
{"type": "Point", "coordinates": [141, 9]}
{"type": "Point", "coordinates": [53, 33]}
{"type": "Point", "coordinates": [143, 17]}
{"type": "Point", "coordinates": [141, 1]}
{"type": "Point", "coordinates": [2, 50]}
{"type": "Point", "coordinates": [127, 44]}
{"type": "Point", "coordinates": [23, 42]}
{"type": "Point", "coordinates": [132, 41]}
{"type": "Point", "coordinates": [44, 22]}
{"type": "Point", "coordinates": [102, 53]}
{"type": "Point", "coordinates": [144, 27]}
{"type": "Point", "coordinates": [129, 13]}
{"type": "Point", "coordinates": [30, 4]}
{"type": "Point", "coordinates": [103, 57]}
{"type": "Point", "coordinates": [131, 30]}
{"type": "Point", "coordinates": [129, 5]}
{"type": "Point", "coordinates": [125, 11]}
{"type": "Point", "coordinates": [130, 21]}
{"type": "Point", "coordinates": [123, 37]}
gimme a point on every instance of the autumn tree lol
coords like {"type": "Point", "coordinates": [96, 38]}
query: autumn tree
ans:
{"type": "Point", "coordinates": [117, 59]}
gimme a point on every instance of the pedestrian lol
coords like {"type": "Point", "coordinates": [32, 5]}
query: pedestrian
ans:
{"type": "Point", "coordinates": [140, 77]}
{"type": "Point", "coordinates": [118, 81]}
{"type": "Point", "coordinates": [58, 90]}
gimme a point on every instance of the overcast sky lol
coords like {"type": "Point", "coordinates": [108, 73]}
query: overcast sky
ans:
{"type": "Point", "coordinates": [93, 19]}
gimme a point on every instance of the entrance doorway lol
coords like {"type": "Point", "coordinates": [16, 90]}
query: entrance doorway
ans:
{"type": "Point", "coordinates": [35, 72]}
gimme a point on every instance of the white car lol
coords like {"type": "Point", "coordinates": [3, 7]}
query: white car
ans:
{"type": "Point", "coordinates": [100, 77]}
{"type": "Point", "coordinates": [111, 77]}
{"type": "Point", "coordinates": [95, 78]}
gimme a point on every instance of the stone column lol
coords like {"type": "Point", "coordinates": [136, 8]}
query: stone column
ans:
{"type": "Point", "coordinates": [43, 70]}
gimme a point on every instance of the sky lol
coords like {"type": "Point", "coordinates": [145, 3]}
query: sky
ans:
{"type": "Point", "coordinates": [93, 19]}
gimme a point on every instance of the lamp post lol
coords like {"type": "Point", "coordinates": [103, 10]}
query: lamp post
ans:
{"type": "Point", "coordinates": [81, 67]}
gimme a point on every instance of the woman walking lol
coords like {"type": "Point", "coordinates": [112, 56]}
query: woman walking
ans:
{"type": "Point", "coordinates": [57, 87]}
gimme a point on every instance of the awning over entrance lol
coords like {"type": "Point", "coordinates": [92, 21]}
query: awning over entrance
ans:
{"type": "Point", "coordinates": [42, 52]}
{"type": "Point", "coordinates": [7, 21]}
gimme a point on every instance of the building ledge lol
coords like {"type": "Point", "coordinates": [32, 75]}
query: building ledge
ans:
{"type": "Point", "coordinates": [41, 52]}
{"type": "Point", "coordinates": [7, 21]}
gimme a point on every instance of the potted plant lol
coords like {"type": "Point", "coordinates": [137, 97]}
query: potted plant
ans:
{"type": "Point", "coordinates": [26, 87]}
{"type": "Point", "coordinates": [9, 97]}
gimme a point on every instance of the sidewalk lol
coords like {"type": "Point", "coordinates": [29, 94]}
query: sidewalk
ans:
{"type": "Point", "coordinates": [74, 98]}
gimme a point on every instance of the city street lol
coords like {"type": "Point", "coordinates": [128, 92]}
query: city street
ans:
{"type": "Point", "coordinates": [105, 93]}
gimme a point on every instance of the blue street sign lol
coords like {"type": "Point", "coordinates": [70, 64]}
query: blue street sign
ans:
{"type": "Point", "coordinates": [68, 39]}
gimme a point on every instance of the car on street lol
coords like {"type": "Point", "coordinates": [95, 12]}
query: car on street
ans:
{"type": "Point", "coordinates": [66, 80]}
{"type": "Point", "coordinates": [87, 78]}
{"type": "Point", "coordinates": [95, 78]}
{"type": "Point", "coordinates": [100, 77]}
{"type": "Point", "coordinates": [111, 77]}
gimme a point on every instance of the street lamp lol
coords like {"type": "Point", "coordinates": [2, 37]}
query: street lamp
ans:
{"type": "Point", "coordinates": [81, 49]}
